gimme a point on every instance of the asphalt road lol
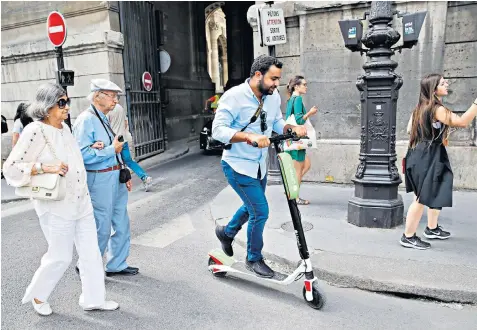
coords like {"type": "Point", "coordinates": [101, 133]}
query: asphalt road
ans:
{"type": "Point", "coordinates": [172, 232]}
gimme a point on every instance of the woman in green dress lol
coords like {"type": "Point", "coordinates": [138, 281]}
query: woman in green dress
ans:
{"type": "Point", "coordinates": [296, 88]}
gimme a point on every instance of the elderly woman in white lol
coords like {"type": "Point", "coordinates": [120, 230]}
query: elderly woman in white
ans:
{"type": "Point", "coordinates": [47, 146]}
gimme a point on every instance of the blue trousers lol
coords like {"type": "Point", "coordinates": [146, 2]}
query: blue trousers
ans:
{"type": "Point", "coordinates": [110, 200]}
{"type": "Point", "coordinates": [254, 210]}
{"type": "Point", "coordinates": [126, 156]}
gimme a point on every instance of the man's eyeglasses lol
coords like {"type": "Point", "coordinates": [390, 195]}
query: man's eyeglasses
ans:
{"type": "Point", "coordinates": [62, 103]}
{"type": "Point", "coordinates": [112, 97]}
{"type": "Point", "coordinates": [263, 121]}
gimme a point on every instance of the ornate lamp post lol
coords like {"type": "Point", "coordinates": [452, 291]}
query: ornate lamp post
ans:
{"type": "Point", "coordinates": [376, 202]}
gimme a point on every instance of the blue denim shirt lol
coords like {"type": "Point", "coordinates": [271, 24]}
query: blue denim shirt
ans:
{"type": "Point", "coordinates": [235, 109]}
{"type": "Point", "coordinates": [87, 129]}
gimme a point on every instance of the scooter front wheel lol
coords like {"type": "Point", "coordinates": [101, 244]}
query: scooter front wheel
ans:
{"type": "Point", "coordinates": [318, 298]}
{"type": "Point", "coordinates": [216, 274]}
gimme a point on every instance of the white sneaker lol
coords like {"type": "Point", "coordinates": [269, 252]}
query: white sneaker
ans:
{"type": "Point", "coordinates": [147, 182]}
{"type": "Point", "coordinates": [107, 306]}
{"type": "Point", "coordinates": [43, 309]}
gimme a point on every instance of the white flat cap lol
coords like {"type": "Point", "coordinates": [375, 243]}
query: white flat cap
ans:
{"type": "Point", "coordinates": [104, 85]}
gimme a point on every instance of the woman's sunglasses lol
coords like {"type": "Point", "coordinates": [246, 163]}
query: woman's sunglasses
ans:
{"type": "Point", "coordinates": [62, 103]}
{"type": "Point", "coordinates": [263, 121]}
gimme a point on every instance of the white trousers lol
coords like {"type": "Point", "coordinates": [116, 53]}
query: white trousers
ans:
{"type": "Point", "coordinates": [61, 234]}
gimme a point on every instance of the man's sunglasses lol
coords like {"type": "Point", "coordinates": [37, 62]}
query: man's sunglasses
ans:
{"type": "Point", "coordinates": [62, 103]}
{"type": "Point", "coordinates": [263, 121]}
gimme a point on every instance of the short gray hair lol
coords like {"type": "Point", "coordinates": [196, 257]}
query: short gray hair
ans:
{"type": "Point", "coordinates": [47, 96]}
{"type": "Point", "coordinates": [91, 96]}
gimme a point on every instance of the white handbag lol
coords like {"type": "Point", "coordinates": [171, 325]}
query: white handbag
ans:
{"type": "Point", "coordinates": [301, 144]}
{"type": "Point", "coordinates": [46, 186]}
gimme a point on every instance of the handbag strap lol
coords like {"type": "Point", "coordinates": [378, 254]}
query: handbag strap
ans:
{"type": "Point", "coordinates": [293, 105]}
{"type": "Point", "coordinates": [52, 150]}
{"type": "Point", "coordinates": [114, 135]}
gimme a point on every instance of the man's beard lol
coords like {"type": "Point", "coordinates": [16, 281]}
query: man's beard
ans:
{"type": "Point", "coordinates": [263, 89]}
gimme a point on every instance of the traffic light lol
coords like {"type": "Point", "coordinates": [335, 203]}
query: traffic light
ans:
{"type": "Point", "coordinates": [65, 77]}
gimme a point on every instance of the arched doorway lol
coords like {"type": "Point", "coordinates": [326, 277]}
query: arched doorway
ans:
{"type": "Point", "coordinates": [216, 35]}
{"type": "Point", "coordinates": [229, 39]}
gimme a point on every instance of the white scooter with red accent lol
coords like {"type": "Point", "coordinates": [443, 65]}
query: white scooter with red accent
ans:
{"type": "Point", "coordinates": [220, 264]}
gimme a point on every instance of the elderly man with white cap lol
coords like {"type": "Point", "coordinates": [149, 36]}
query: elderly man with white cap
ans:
{"type": "Point", "coordinates": [105, 171]}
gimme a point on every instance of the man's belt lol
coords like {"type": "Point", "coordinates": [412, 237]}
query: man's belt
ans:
{"type": "Point", "coordinates": [109, 169]}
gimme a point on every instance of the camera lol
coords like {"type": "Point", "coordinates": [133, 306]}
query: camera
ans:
{"type": "Point", "coordinates": [120, 138]}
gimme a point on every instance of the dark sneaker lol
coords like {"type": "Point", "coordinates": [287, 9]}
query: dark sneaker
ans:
{"type": "Point", "coordinates": [436, 233]}
{"type": "Point", "coordinates": [414, 242]}
{"type": "Point", "coordinates": [260, 268]}
{"type": "Point", "coordinates": [224, 240]}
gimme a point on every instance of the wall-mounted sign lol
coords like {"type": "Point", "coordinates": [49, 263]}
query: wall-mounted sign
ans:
{"type": "Point", "coordinates": [273, 26]}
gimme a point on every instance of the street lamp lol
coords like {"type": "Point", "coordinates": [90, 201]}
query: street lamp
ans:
{"type": "Point", "coordinates": [376, 202]}
{"type": "Point", "coordinates": [273, 173]}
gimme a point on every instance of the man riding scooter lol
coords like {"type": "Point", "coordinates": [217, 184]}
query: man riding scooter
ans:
{"type": "Point", "coordinates": [245, 166]}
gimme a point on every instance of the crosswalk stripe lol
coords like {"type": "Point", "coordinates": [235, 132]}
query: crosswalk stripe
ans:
{"type": "Point", "coordinates": [167, 234]}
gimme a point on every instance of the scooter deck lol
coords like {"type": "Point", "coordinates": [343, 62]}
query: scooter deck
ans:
{"type": "Point", "coordinates": [241, 267]}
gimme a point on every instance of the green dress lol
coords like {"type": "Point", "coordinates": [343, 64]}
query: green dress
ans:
{"type": "Point", "coordinates": [295, 106]}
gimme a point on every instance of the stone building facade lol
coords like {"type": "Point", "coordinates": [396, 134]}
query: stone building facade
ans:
{"type": "Point", "coordinates": [95, 48]}
{"type": "Point", "coordinates": [96, 43]}
{"type": "Point", "coordinates": [315, 49]}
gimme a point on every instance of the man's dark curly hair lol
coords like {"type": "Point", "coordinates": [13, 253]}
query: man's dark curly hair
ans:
{"type": "Point", "coordinates": [263, 64]}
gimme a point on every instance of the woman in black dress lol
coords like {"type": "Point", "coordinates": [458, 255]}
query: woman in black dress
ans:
{"type": "Point", "coordinates": [427, 168]}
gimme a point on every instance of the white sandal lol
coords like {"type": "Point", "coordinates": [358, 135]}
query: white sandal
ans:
{"type": "Point", "coordinates": [43, 309]}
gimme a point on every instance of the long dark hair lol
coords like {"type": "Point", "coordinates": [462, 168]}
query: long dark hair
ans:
{"type": "Point", "coordinates": [295, 81]}
{"type": "Point", "coordinates": [22, 115]}
{"type": "Point", "coordinates": [425, 112]}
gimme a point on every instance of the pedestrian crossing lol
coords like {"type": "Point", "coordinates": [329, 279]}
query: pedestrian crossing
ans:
{"type": "Point", "coordinates": [167, 233]}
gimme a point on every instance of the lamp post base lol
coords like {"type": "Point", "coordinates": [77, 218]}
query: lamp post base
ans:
{"type": "Point", "coordinates": [366, 210]}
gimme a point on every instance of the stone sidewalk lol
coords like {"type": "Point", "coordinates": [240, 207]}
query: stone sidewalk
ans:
{"type": "Point", "coordinates": [371, 259]}
{"type": "Point", "coordinates": [175, 150]}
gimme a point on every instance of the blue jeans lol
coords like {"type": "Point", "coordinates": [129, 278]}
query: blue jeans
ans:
{"type": "Point", "coordinates": [254, 210]}
{"type": "Point", "coordinates": [126, 156]}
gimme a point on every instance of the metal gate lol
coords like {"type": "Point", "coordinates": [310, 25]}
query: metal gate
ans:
{"type": "Point", "coordinates": [140, 29]}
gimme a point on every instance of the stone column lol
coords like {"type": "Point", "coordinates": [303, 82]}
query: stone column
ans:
{"type": "Point", "coordinates": [201, 49]}
{"type": "Point", "coordinates": [214, 52]}
{"type": "Point", "coordinates": [225, 66]}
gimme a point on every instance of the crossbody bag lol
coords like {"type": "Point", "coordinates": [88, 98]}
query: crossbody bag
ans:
{"type": "Point", "coordinates": [45, 186]}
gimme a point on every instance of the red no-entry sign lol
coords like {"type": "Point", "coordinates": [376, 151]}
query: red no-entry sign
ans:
{"type": "Point", "coordinates": [56, 28]}
{"type": "Point", "coordinates": [147, 81]}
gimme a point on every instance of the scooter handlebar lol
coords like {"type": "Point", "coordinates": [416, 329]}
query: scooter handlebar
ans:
{"type": "Point", "coordinates": [282, 137]}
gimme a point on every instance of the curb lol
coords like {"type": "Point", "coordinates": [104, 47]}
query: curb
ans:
{"type": "Point", "coordinates": [14, 199]}
{"type": "Point", "coordinates": [373, 285]}
{"type": "Point", "coordinates": [144, 163]}
{"type": "Point", "coordinates": [340, 275]}
{"type": "Point", "coordinates": [163, 160]}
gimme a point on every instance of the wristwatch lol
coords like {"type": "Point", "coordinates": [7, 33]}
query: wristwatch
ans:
{"type": "Point", "coordinates": [39, 170]}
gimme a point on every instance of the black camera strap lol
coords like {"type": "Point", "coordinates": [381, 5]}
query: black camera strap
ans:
{"type": "Point", "coordinates": [109, 136]}
{"type": "Point", "coordinates": [252, 120]}
{"type": "Point", "coordinates": [255, 115]}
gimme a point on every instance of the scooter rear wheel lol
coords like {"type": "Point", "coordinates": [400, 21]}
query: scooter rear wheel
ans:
{"type": "Point", "coordinates": [218, 274]}
{"type": "Point", "coordinates": [318, 298]}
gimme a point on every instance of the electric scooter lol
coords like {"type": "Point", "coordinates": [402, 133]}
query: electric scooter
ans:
{"type": "Point", "coordinates": [220, 264]}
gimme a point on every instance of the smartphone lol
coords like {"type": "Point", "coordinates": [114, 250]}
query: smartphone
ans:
{"type": "Point", "coordinates": [120, 138]}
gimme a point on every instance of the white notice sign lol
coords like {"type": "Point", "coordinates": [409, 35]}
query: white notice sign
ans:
{"type": "Point", "coordinates": [273, 26]}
